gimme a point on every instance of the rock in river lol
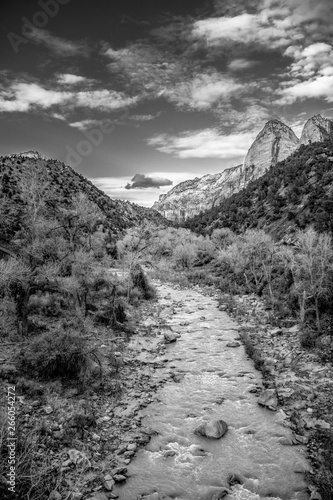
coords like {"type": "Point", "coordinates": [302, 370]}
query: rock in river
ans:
{"type": "Point", "coordinates": [170, 337]}
{"type": "Point", "coordinates": [233, 344]}
{"type": "Point", "coordinates": [268, 399]}
{"type": "Point", "coordinates": [215, 429]}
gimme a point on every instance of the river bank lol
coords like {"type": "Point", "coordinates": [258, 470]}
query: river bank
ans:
{"type": "Point", "coordinates": [302, 382]}
{"type": "Point", "coordinates": [95, 455]}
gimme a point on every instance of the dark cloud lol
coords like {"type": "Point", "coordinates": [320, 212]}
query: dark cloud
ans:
{"type": "Point", "coordinates": [141, 181]}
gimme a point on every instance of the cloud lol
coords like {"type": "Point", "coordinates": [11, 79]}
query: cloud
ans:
{"type": "Point", "coordinates": [26, 96]}
{"type": "Point", "coordinates": [59, 46]}
{"type": "Point", "coordinates": [269, 24]}
{"type": "Point", "coordinates": [242, 64]}
{"type": "Point", "coordinates": [204, 90]}
{"type": "Point", "coordinates": [315, 58]}
{"type": "Point", "coordinates": [143, 118]}
{"type": "Point", "coordinates": [310, 74]}
{"type": "Point", "coordinates": [207, 143]}
{"type": "Point", "coordinates": [141, 181]}
{"type": "Point", "coordinates": [86, 124]}
{"type": "Point", "coordinates": [319, 87]}
{"type": "Point", "coordinates": [69, 79]}
{"type": "Point", "coordinates": [145, 68]}
{"type": "Point", "coordinates": [58, 116]}
{"type": "Point", "coordinates": [242, 29]}
{"type": "Point", "coordinates": [115, 187]}
{"type": "Point", "coordinates": [103, 99]}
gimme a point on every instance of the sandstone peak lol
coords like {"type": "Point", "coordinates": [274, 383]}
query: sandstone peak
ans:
{"type": "Point", "coordinates": [275, 142]}
{"type": "Point", "coordinates": [317, 129]}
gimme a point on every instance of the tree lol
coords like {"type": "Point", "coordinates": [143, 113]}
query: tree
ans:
{"type": "Point", "coordinates": [252, 255]}
{"type": "Point", "coordinates": [310, 263]}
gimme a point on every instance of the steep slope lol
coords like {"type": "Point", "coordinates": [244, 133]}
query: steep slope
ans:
{"type": "Point", "coordinates": [293, 194]}
{"type": "Point", "coordinates": [317, 129]}
{"type": "Point", "coordinates": [275, 142]}
{"type": "Point", "coordinates": [64, 183]}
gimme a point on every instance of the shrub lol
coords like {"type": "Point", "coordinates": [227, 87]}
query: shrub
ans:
{"type": "Point", "coordinates": [31, 482]}
{"type": "Point", "coordinates": [308, 338]}
{"type": "Point", "coordinates": [63, 355]}
{"type": "Point", "coordinates": [49, 305]}
{"type": "Point", "coordinates": [140, 282]}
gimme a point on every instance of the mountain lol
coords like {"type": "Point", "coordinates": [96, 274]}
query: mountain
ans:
{"type": "Point", "coordinates": [274, 143]}
{"type": "Point", "coordinates": [64, 183]}
{"type": "Point", "coordinates": [294, 193]}
{"type": "Point", "coordinates": [317, 129]}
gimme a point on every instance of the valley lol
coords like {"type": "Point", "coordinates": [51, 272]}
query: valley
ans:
{"type": "Point", "coordinates": [128, 338]}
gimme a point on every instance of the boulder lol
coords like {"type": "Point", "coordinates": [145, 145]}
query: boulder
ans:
{"type": "Point", "coordinates": [268, 399]}
{"type": "Point", "coordinates": [170, 337]}
{"type": "Point", "coordinates": [214, 430]}
{"type": "Point", "coordinates": [233, 344]}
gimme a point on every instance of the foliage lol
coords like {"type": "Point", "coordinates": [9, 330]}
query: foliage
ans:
{"type": "Point", "coordinates": [292, 194]}
{"type": "Point", "coordinates": [56, 355]}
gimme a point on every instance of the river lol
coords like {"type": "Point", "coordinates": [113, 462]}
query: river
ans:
{"type": "Point", "coordinates": [212, 381]}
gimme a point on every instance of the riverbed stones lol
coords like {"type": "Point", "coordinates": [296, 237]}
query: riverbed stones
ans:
{"type": "Point", "coordinates": [268, 399]}
{"type": "Point", "coordinates": [233, 344]}
{"type": "Point", "coordinates": [108, 482]}
{"type": "Point", "coordinates": [170, 337]}
{"type": "Point", "coordinates": [214, 430]}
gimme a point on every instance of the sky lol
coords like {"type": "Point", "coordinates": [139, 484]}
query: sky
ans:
{"type": "Point", "coordinates": [139, 96]}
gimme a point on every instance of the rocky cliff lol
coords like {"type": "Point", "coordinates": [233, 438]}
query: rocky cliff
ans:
{"type": "Point", "coordinates": [275, 142]}
{"type": "Point", "coordinates": [317, 129]}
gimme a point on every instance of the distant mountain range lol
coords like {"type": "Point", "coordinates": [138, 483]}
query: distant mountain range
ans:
{"type": "Point", "coordinates": [64, 183]}
{"type": "Point", "coordinates": [273, 144]}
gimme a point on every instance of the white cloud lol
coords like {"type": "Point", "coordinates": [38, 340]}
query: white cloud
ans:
{"type": "Point", "coordinates": [143, 118]}
{"type": "Point", "coordinates": [241, 64]}
{"type": "Point", "coordinates": [207, 143]}
{"type": "Point", "coordinates": [69, 79]}
{"type": "Point", "coordinates": [60, 46]}
{"type": "Point", "coordinates": [103, 99]}
{"type": "Point", "coordinates": [155, 73]}
{"type": "Point", "coordinates": [86, 124]}
{"type": "Point", "coordinates": [22, 96]}
{"type": "Point", "coordinates": [311, 73]}
{"type": "Point", "coordinates": [259, 28]}
{"type": "Point", "coordinates": [58, 116]}
{"type": "Point", "coordinates": [271, 24]}
{"type": "Point", "coordinates": [204, 90]}
{"type": "Point", "coordinates": [319, 87]}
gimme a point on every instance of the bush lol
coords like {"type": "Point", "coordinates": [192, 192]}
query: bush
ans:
{"type": "Point", "coordinates": [140, 282]}
{"type": "Point", "coordinates": [308, 338]}
{"type": "Point", "coordinates": [49, 356]}
{"type": "Point", "coordinates": [33, 483]}
{"type": "Point", "coordinates": [49, 305]}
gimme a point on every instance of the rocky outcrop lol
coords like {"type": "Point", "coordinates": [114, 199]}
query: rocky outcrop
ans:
{"type": "Point", "coordinates": [317, 129]}
{"type": "Point", "coordinates": [274, 143]}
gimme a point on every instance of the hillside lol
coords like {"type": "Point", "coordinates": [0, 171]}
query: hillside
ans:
{"type": "Point", "coordinates": [64, 183]}
{"type": "Point", "coordinates": [274, 143]}
{"type": "Point", "coordinates": [294, 193]}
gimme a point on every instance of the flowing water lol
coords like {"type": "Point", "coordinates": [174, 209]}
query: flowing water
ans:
{"type": "Point", "coordinates": [216, 381]}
